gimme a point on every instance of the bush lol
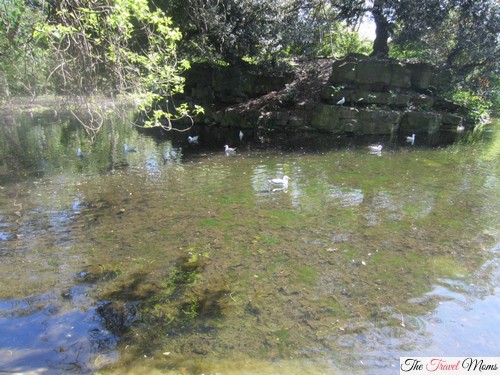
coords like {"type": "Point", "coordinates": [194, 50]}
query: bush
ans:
{"type": "Point", "coordinates": [478, 108]}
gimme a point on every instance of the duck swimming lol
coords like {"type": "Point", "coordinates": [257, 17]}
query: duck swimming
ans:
{"type": "Point", "coordinates": [127, 148]}
{"type": "Point", "coordinates": [280, 181]}
{"type": "Point", "coordinates": [229, 150]}
{"type": "Point", "coordinates": [193, 139]}
{"type": "Point", "coordinates": [375, 148]}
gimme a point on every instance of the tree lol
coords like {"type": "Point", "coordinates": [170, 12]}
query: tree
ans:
{"type": "Point", "coordinates": [225, 29]}
{"type": "Point", "coordinates": [475, 24]}
{"type": "Point", "coordinates": [116, 46]}
{"type": "Point", "coordinates": [475, 40]}
{"type": "Point", "coordinates": [22, 63]}
{"type": "Point", "coordinates": [311, 29]}
{"type": "Point", "coordinates": [392, 17]}
{"type": "Point", "coordinates": [230, 30]}
{"type": "Point", "coordinates": [459, 36]}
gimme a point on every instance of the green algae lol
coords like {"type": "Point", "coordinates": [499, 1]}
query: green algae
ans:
{"type": "Point", "coordinates": [222, 267]}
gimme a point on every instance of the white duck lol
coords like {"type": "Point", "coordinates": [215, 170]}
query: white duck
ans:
{"type": "Point", "coordinates": [127, 148]}
{"type": "Point", "coordinates": [375, 148]}
{"type": "Point", "coordinates": [341, 101]}
{"type": "Point", "coordinates": [411, 139]}
{"type": "Point", "coordinates": [282, 182]}
{"type": "Point", "coordinates": [193, 139]}
{"type": "Point", "coordinates": [229, 150]}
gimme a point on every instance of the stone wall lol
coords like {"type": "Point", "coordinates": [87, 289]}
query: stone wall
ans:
{"type": "Point", "coordinates": [385, 97]}
{"type": "Point", "coordinates": [216, 87]}
{"type": "Point", "coordinates": [382, 97]}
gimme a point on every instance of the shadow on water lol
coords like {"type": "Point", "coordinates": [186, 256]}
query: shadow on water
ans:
{"type": "Point", "coordinates": [178, 258]}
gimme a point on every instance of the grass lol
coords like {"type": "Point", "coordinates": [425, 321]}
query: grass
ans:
{"type": "Point", "coordinates": [306, 275]}
{"type": "Point", "coordinates": [446, 267]}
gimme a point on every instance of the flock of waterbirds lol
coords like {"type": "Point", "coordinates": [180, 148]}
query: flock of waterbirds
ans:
{"type": "Point", "coordinates": [278, 184]}
{"type": "Point", "coordinates": [376, 149]}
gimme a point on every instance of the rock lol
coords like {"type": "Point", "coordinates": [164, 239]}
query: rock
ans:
{"type": "Point", "coordinates": [452, 119]}
{"type": "Point", "coordinates": [392, 99]}
{"type": "Point", "coordinates": [211, 86]}
{"type": "Point", "coordinates": [332, 118]}
{"type": "Point", "coordinates": [423, 101]}
{"type": "Point", "coordinates": [370, 73]}
{"type": "Point", "coordinates": [419, 123]}
{"type": "Point", "coordinates": [377, 122]}
{"type": "Point", "coordinates": [235, 117]}
{"type": "Point", "coordinates": [446, 105]}
{"type": "Point", "coordinates": [274, 119]}
{"type": "Point", "coordinates": [332, 94]}
{"type": "Point", "coordinates": [382, 97]}
{"type": "Point", "coordinates": [450, 122]}
{"type": "Point", "coordinates": [119, 317]}
{"type": "Point", "coordinates": [344, 71]}
{"type": "Point", "coordinates": [381, 74]}
{"type": "Point", "coordinates": [421, 75]}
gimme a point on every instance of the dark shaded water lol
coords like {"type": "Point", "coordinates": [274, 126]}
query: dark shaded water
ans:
{"type": "Point", "coordinates": [177, 258]}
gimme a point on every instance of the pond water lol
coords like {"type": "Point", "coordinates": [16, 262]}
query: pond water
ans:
{"type": "Point", "coordinates": [176, 258]}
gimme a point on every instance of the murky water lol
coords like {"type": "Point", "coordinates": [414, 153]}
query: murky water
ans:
{"type": "Point", "coordinates": [176, 258]}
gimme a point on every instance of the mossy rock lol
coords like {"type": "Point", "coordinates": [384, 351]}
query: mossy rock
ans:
{"type": "Point", "coordinates": [378, 122]}
{"type": "Point", "coordinates": [332, 118]}
{"type": "Point", "coordinates": [421, 75]}
{"type": "Point", "coordinates": [420, 122]}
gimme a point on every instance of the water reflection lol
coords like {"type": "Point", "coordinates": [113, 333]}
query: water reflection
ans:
{"type": "Point", "coordinates": [360, 260]}
{"type": "Point", "coordinates": [347, 197]}
{"type": "Point", "coordinates": [171, 154]}
{"type": "Point", "coordinates": [43, 334]}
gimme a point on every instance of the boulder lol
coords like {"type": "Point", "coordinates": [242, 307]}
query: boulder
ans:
{"type": "Point", "coordinates": [390, 98]}
{"type": "Point", "coordinates": [450, 122]}
{"type": "Point", "coordinates": [377, 122]}
{"type": "Point", "coordinates": [421, 75]}
{"type": "Point", "coordinates": [381, 74]}
{"type": "Point", "coordinates": [228, 85]}
{"type": "Point", "coordinates": [382, 97]}
{"type": "Point", "coordinates": [452, 119]}
{"type": "Point", "coordinates": [234, 117]}
{"type": "Point", "coordinates": [333, 118]}
{"type": "Point", "coordinates": [273, 119]}
{"type": "Point", "coordinates": [422, 101]}
{"type": "Point", "coordinates": [420, 123]}
{"type": "Point", "coordinates": [344, 71]}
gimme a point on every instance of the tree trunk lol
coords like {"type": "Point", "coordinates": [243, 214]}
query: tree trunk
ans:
{"type": "Point", "coordinates": [382, 28]}
{"type": "Point", "coordinates": [4, 88]}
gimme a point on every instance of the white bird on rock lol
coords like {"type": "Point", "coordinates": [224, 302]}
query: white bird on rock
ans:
{"type": "Point", "coordinates": [241, 135]}
{"type": "Point", "coordinates": [229, 150]}
{"type": "Point", "coordinates": [341, 101]}
{"type": "Point", "coordinates": [411, 139]}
